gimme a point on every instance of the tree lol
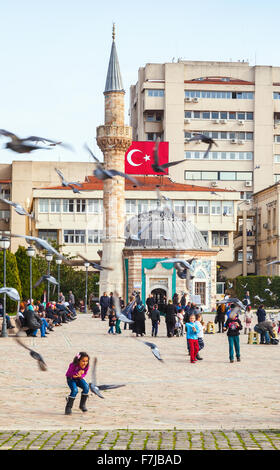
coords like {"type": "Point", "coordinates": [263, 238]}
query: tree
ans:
{"type": "Point", "coordinates": [12, 278]}
{"type": "Point", "coordinates": [23, 263]}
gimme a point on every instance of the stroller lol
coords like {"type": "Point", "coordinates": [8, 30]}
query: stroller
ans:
{"type": "Point", "coordinates": [179, 327]}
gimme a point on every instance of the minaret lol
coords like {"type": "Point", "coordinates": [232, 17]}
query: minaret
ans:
{"type": "Point", "coordinates": [113, 138]}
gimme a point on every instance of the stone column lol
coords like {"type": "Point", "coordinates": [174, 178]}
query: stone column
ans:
{"type": "Point", "coordinates": [244, 243]}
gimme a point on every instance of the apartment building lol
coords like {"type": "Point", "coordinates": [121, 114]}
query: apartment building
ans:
{"type": "Point", "coordinates": [236, 104]}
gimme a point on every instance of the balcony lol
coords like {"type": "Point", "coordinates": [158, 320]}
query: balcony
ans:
{"type": "Point", "coordinates": [238, 240]}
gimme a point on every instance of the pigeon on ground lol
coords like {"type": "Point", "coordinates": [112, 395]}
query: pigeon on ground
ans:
{"type": "Point", "coordinates": [94, 388]}
{"type": "Point", "coordinates": [94, 265]}
{"type": "Point", "coordinates": [42, 245]}
{"type": "Point", "coordinates": [41, 363]}
{"type": "Point", "coordinates": [154, 349]}
{"type": "Point", "coordinates": [18, 208]}
{"type": "Point", "coordinates": [102, 174]}
{"type": "Point", "coordinates": [18, 145]}
{"type": "Point", "coordinates": [161, 168]}
{"type": "Point", "coordinates": [66, 184]}
{"type": "Point", "coordinates": [205, 139]}
{"type": "Point", "coordinates": [119, 314]}
{"type": "Point", "coordinates": [11, 292]}
{"type": "Point", "coordinates": [48, 278]}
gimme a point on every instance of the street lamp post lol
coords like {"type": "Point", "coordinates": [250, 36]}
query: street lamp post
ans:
{"type": "Point", "coordinates": [86, 294]}
{"type": "Point", "coordinates": [58, 262]}
{"type": "Point", "coordinates": [30, 253]}
{"type": "Point", "coordinates": [4, 244]}
{"type": "Point", "coordinates": [49, 258]}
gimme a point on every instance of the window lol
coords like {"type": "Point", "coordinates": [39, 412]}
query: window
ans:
{"type": "Point", "coordinates": [209, 175]}
{"type": "Point", "coordinates": [215, 115]}
{"type": "Point", "coordinates": [95, 236]}
{"type": "Point", "coordinates": [220, 238]}
{"type": "Point", "coordinates": [191, 207]}
{"type": "Point", "coordinates": [216, 207]}
{"type": "Point", "coordinates": [74, 236]}
{"type": "Point", "coordinates": [47, 235]}
{"type": "Point", "coordinates": [244, 176]}
{"type": "Point", "coordinates": [203, 207]}
{"type": "Point", "coordinates": [245, 95]}
{"type": "Point", "coordinates": [277, 139]}
{"type": "Point", "coordinates": [54, 205]}
{"type": "Point", "coordinates": [4, 215]}
{"type": "Point", "coordinates": [241, 116]}
{"type": "Point", "coordinates": [81, 205]}
{"type": "Point", "coordinates": [276, 178]}
{"type": "Point", "coordinates": [276, 158]}
{"type": "Point", "coordinates": [223, 135]}
{"type": "Point", "coordinates": [204, 233]}
{"type": "Point", "coordinates": [193, 175]}
{"type": "Point", "coordinates": [179, 206]}
{"type": "Point", "coordinates": [5, 193]}
{"type": "Point", "coordinates": [200, 289]}
{"type": "Point", "coordinates": [188, 114]}
{"type": "Point", "coordinates": [231, 115]}
{"type": "Point", "coordinates": [227, 207]}
{"type": "Point", "coordinates": [249, 116]}
{"type": "Point", "coordinates": [156, 93]}
{"type": "Point", "coordinates": [143, 206]}
{"type": "Point", "coordinates": [276, 95]}
{"type": "Point", "coordinates": [130, 205]}
{"type": "Point", "coordinates": [196, 114]}
{"type": "Point", "coordinates": [206, 115]}
{"type": "Point", "coordinates": [68, 205]}
{"type": "Point", "coordinates": [227, 175]}
{"type": "Point", "coordinates": [94, 206]}
{"type": "Point", "coordinates": [220, 288]}
{"type": "Point", "coordinates": [43, 205]}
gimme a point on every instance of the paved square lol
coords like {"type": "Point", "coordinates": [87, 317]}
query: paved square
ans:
{"type": "Point", "coordinates": [210, 394]}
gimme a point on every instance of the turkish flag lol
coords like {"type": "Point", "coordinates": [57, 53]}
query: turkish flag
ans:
{"type": "Point", "coordinates": [140, 157]}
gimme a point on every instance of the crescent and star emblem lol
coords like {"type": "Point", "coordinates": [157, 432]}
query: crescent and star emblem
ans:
{"type": "Point", "coordinates": [129, 157]}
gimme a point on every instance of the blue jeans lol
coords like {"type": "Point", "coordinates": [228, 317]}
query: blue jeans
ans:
{"type": "Point", "coordinates": [43, 328]}
{"type": "Point", "coordinates": [73, 384]}
{"type": "Point", "coordinates": [154, 327]}
{"type": "Point", "coordinates": [264, 335]}
{"type": "Point", "coordinates": [111, 330]}
{"type": "Point", "coordinates": [233, 342]}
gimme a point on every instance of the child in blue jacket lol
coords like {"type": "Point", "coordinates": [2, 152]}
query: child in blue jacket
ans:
{"type": "Point", "coordinates": [192, 331]}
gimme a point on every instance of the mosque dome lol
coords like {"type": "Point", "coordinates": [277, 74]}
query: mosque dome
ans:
{"type": "Point", "coordinates": [161, 228]}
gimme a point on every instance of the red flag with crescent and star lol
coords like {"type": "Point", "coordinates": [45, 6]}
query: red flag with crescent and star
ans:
{"type": "Point", "coordinates": [140, 157]}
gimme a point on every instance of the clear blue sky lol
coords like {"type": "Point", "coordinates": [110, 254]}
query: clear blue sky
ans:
{"type": "Point", "coordinates": [55, 53]}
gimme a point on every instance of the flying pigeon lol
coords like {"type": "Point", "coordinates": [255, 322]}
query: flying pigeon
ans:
{"type": "Point", "coordinates": [11, 292]}
{"type": "Point", "coordinates": [269, 281]}
{"type": "Point", "coordinates": [180, 265]}
{"type": "Point", "coordinates": [18, 208]}
{"type": "Point", "coordinates": [48, 278]}
{"type": "Point", "coordinates": [273, 262]}
{"type": "Point", "coordinates": [258, 298]}
{"type": "Point", "coordinates": [42, 245]}
{"type": "Point", "coordinates": [154, 349]}
{"type": "Point", "coordinates": [268, 291]}
{"type": "Point", "coordinates": [94, 265]}
{"type": "Point", "coordinates": [206, 140]}
{"type": "Point", "coordinates": [25, 145]}
{"type": "Point", "coordinates": [234, 300]}
{"type": "Point", "coordinates": [41, 363]}
{"type": "Point", "coordinates": [161, 168]}
{"type": "Point", "coordinates": [230, 285]}
{"type": "Point", "coordinates": [102, 174]}
{"type": "Point", "coordinates": [94, 388]}
{"type": "Point", "coordinates": [137, 237]}
{"type": "Point", "coordinates": [119, 314]}
{"type": "Point", "coordinates": [68, 184]}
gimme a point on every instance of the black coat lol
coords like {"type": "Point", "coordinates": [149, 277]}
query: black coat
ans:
{"type": "Point", "coordinates": [171, 314]}
{"type": "Point", "coordinates": [32, 320]}
{"type": "Point", "coordinates": [220, 314]}
{"type": "Point", "coordinates": [138, 316]}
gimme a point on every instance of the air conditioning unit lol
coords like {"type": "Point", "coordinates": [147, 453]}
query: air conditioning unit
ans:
{"type": "Point", "coordinates": [214, 184]}
{"type": "Point", "coordinates": [248, 183]}
{"type": "Point", "coordinates": [188, 99]}
{"type": "Point", "coordinates": [7, 220]}
{"type": "Point", "coordinates": [195, 100]}
{"type": "Point", "coordinates": [241, 142]}
{"type": "Point", "coordinates": [223, 121]}
{"type": "Point", "coordinates": [187, 120]}
{"type": "Point", "coordinates": [216, 121]}
{"type": "Point", "coordinates": [265, 225]}
{"type": "Point", "coordinates": [241, 122]}
{"type": "Point", "coordinates": [187, 141]}
{"type": "Point", "coordinates": [198, 141]}
{"type": "Point", "coordinates": [233, 141]}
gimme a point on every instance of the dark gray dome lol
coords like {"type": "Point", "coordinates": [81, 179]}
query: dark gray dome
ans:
{"type": "Point", "coordinates": [160, 228]}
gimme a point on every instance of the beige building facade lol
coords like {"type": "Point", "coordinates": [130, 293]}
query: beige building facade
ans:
{"type": "Point", "coordinates": [236, 104]}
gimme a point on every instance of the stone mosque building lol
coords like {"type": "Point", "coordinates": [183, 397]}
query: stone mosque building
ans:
{"type": "Point", "coordinates": [136, 247]}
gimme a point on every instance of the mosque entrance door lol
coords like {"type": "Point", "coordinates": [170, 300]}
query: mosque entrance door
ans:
{"type": "Point", "coordinates": [160, 297]}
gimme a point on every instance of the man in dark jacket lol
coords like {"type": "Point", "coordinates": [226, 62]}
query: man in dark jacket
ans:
{"type": "Point", "coordinates": [265, 328]}
{"type": "Point", "coordinates": [261, 314]}
{"type": "Point", "coordinates": [104, 304]}
{"type": "Point", "coordinates": [155, 317]}
{"type": "Point", "coordinates": [150, 302]}
{"type": "Point", "coordinates": [183, 301]}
